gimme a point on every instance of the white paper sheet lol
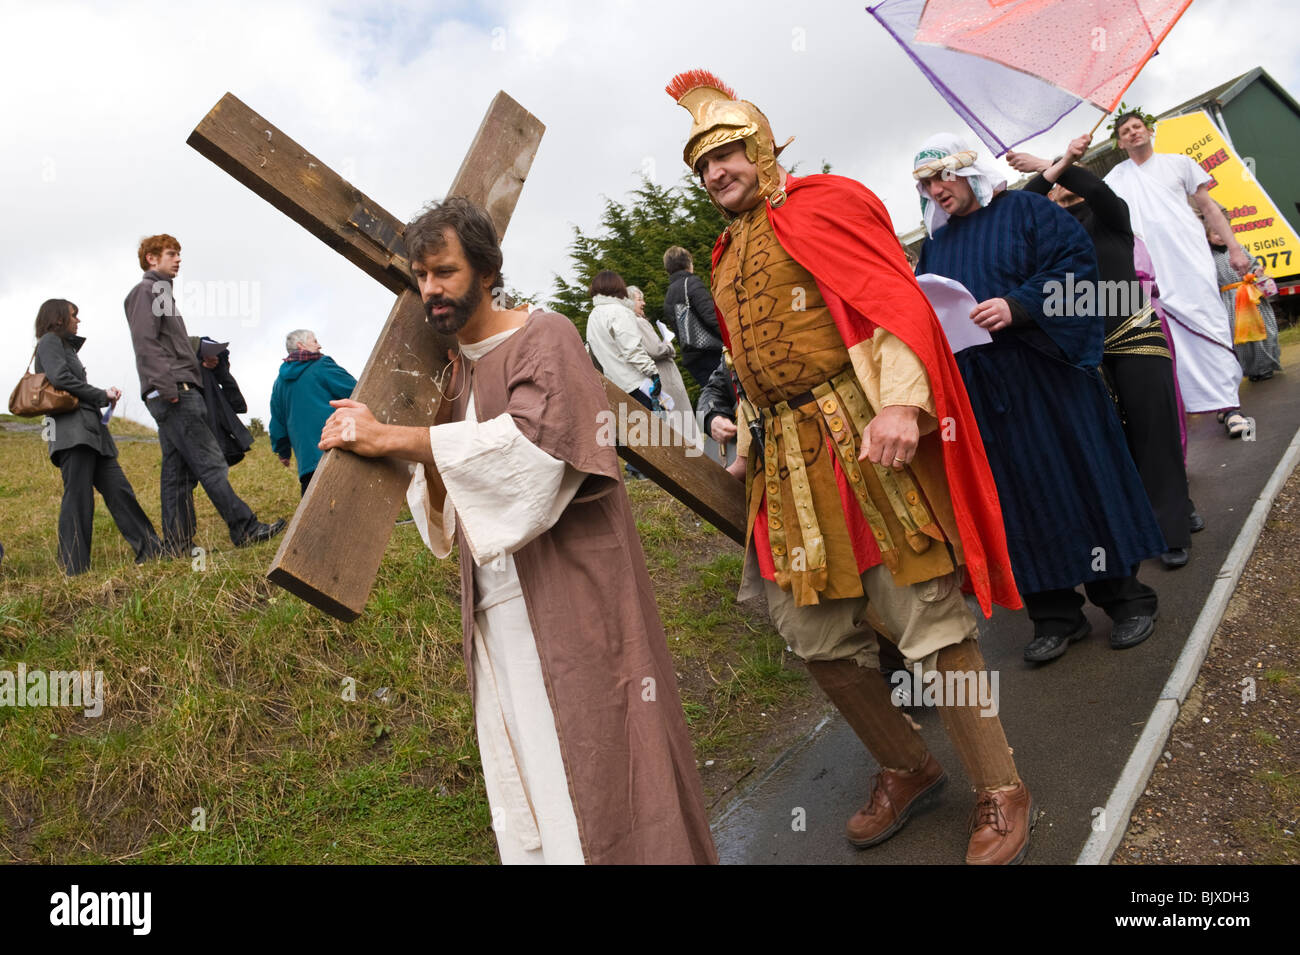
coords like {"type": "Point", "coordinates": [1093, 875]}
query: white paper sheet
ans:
{"type": "Point", "coordinates": [953, 304]}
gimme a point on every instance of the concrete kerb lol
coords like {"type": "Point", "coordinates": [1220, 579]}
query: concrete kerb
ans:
{"type": "Point", "coordinates": [736, 800]}
{"type": "Point", "coordinates": [1101, 845]}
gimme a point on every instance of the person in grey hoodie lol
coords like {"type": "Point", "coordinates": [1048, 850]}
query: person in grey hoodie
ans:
{"type": "Point", "coordinates": [82, 449]}
{"type": "Point", "coordinates": [300, 401]}
{"type": "Point", "coordinates": [170, 385]}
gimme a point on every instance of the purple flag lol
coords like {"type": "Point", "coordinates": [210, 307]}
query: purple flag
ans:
{"type": "Point", "coordinates": [1002, 105]}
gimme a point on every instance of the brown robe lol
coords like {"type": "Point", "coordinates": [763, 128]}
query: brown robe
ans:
{"type": "Point", "coordinates": [611, 683]}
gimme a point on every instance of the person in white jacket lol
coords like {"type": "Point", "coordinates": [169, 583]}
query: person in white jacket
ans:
{"type": "Point", "coordinates": [615, 340]}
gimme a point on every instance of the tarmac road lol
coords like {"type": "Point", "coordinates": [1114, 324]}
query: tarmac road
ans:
{"type": "Point", "coordinates": [1072, 723]}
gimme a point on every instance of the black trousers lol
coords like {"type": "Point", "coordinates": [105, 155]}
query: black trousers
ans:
{"type": "Point", "coordinates": [701, 364]}
{"type": "Point", "coordinates": [1059, 612]}
{"type": "Point", "coordinates": [640, 397]}
{"type": "Point", "coordinates": [304, 480]}
{"type": "Point", "coordinates": [1145, 387]}
{"type": "Point", "coordinates": [190, 456]}
{"type": "Point", "coordinates": [85, 471]}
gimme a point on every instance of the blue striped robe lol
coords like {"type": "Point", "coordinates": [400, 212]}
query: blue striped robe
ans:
{"type": "Point", "coordinates": [1072, 501]}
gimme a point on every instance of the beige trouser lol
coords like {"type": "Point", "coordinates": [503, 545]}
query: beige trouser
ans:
{"type": "Point", "coordinates": [921, 619]}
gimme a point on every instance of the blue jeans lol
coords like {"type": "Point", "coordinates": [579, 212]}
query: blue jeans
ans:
{"type": "Point", "coordinates": [190, 455]}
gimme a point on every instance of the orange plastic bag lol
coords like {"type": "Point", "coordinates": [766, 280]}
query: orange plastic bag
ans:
{"type": "Point", "coordinates": [1248, 323]}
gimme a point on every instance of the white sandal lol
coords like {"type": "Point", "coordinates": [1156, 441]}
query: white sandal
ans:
{"type": "Point", "coordinates": [1236, 424]}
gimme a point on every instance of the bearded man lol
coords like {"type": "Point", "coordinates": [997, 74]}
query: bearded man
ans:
{"type": "Point", "coordinates": [856, 507]}
{"type": "Point", "coordinates": [585, 752]}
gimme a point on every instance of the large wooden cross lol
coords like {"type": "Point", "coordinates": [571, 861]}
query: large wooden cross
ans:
{"type": "Point", "coordinates": [331, 551]}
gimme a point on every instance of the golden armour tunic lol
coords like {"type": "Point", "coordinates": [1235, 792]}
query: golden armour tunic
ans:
{"type": "Point", "coordinates": [815, 399]}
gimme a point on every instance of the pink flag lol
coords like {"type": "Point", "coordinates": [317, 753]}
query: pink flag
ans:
{"type": "Point", "coordinates": [1093, 49]}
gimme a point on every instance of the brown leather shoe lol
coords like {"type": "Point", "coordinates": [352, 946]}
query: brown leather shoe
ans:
{"type": "Point", "coordinates": [1000, 825]}
{"type": "Point", "coordinates": [894, 795]}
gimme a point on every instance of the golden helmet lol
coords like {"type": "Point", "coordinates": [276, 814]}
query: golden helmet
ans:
{"type": "Point", "coordinates": [719, 118]}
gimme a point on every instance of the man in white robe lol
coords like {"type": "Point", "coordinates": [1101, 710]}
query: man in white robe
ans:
{"type": "Point", "coordinates": [1156, 187]}
{"type": "Point", "coordinates": [584, 747]}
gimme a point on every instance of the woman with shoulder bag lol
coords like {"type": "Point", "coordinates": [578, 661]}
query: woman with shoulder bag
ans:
{"type": "Point", "coordinates": [82, 448]}
{"type": "Point", "coordinates": [688, 307]}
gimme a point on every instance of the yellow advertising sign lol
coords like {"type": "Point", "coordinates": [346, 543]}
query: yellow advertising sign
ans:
{"type": "Point", "coordinates": [1255, 220]}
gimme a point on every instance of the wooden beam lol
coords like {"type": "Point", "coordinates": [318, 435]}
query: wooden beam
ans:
{"type": "Point", "coordinates": [294, 181]}
{"type": "Point", "coordinates": [332, 549]}
{"type": "Point", "coordinates": [699, 482]}
{"type": "Point", "coordinates": [257, 154]}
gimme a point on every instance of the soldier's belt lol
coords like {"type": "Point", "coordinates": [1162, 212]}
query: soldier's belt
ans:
{"type": "Point", "coordinates": [845, 410]}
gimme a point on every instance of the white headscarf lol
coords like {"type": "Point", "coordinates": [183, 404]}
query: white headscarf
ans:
{"type": "Point", "coordinates": [985, 179]}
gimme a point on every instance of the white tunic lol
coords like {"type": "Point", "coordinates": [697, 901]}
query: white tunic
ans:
{"type": "Point", "coordinates": [527, 788]}
{"type": "Point", "coordinates": [1156, 193]}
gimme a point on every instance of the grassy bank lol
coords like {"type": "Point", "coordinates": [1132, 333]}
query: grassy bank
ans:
{"type": "Point", "coordinates": [241, 725]}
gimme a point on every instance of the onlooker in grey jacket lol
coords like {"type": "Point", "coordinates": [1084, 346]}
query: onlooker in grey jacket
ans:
{"type": "Point", "coordinates": [169, 382]}
{"type": "Point", "coordinates": [83, 450]}
{"type": "Point", "coordinates": [685, 288]}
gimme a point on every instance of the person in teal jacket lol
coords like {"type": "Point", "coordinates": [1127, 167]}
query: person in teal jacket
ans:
{"type": "Point", "coordinates": [300, 401]}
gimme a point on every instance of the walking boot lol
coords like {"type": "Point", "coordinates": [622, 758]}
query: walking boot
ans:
{"type": "Point", "coordinates": [1000, 825]}
{"type": "Point", "coordinates": [862, 697]}
{"type": "Point", "coordinates": [894, 797]}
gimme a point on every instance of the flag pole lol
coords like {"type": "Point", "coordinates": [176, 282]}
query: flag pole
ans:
{"type": "Point", "coordinates": [1145, 60]}
{"type": "Point", "coordinates": [1093, 131]}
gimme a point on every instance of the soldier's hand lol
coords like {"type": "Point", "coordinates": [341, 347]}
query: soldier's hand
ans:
{"type": "Point", "coordinates": [722, 429]}
{"type": "Point", "coordinates": [991, 314]}
{"type": "Point", "coordinates": [890, 438]}
{"type": "Point", "coordinates": [737, 468]}
{"type": "Point", "coordinates": [353, 428]}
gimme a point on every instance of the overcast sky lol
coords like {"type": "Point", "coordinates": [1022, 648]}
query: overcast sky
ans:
{"type": "Point", "coordinates": [98, 98]}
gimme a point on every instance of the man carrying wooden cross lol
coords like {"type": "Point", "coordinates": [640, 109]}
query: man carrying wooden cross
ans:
{"type": "Point", "coordinates": [585, 752]}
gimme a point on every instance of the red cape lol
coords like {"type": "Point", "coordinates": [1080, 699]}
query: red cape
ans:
{"type": "Point", "coordinates": [839, 231]}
